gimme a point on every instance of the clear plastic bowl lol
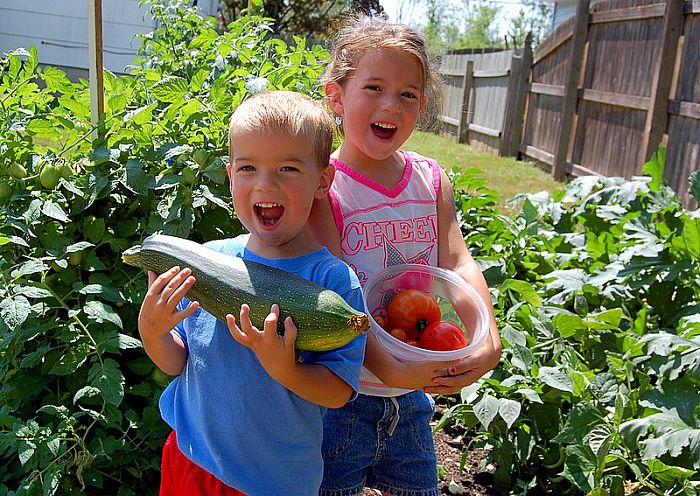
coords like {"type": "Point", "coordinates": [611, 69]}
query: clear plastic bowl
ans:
{"type": "Point", "coordinates": [459, 303]}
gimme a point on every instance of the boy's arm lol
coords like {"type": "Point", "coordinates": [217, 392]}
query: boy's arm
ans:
{"type": "Point", "coordinates": [454, 255]}
{"type": "Point", "coordinates": [313, 382]}
{"type": "Point", "coordinates": [159, 315]}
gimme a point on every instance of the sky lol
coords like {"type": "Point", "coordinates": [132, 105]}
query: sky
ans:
{"type": "Point", "coordinates": [405, 11]}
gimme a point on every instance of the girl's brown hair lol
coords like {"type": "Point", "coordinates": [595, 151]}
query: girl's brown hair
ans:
{"type": "Point", "coordinates": [361, 35]}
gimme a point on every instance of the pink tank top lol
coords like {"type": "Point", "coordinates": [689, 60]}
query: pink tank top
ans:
{"type": "Point", "coordinates": [380, 227]}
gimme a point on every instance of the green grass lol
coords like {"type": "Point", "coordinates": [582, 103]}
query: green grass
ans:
{"type": "Point", "coordinates": [504, 175]}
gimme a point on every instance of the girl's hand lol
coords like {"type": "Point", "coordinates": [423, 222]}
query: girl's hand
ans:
{"type": "Point", "coordinates": [159, 313]}
{"type": "Point", "coordinates": [276, 353]}
{"type": "Point", "coordinates": [464, 372]}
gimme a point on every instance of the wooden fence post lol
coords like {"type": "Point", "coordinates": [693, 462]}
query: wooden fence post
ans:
{"type": "Point", "coordinates": [578, 42]}
{"type": "Point", "coordinates": [517, 95]}
{"type": "Point", "coordinates": [465, 115]}
{"type": "Point", "coordinates": [657, 114]}
{"type": "Point", "coordinates": [96, 62]}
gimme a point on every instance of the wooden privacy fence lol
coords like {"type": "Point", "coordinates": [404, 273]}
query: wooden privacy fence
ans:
{"type": "Point", "coordinates": [484, 91]}
{"type": "Point", "coordinates": [597, 97]}
{"type": "Point", "coordinates": [614, 82]}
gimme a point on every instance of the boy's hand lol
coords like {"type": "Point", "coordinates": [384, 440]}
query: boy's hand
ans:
{"type": "Point", "coordinates": [159, 312]}
{"type": "Point", "coordinates": [276, 353]}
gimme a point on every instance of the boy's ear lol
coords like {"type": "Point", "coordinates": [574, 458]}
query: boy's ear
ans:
{"type": "Point", "coordinates": [229, 173]}
{"type": "Point", "coordinates": [333, 97]}
{"type": "Point", "coordinates": [324, 182]}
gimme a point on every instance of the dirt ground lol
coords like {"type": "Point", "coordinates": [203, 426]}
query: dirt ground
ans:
{"type": "Point", "coordinates": [449, 443]}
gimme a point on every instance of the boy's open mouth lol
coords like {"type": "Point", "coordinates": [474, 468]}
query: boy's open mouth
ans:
{"type": "Point", "coordinates": [383, 130]}
{"type": "Point", "coordinates": [268, 214]}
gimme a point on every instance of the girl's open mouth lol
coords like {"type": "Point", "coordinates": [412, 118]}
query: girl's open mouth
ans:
{"type": "Point", "coordinates": [269, 214]}
{"type": "Point", "coordinates": [383, 131]}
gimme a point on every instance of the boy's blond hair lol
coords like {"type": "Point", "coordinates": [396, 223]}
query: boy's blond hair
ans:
{"type": "Point", "coordinates": [361, 35]}
{"type": "Point", "coordinates": [289, 113]}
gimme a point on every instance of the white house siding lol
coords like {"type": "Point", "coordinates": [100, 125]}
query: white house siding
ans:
{"type": "Point", "coordinates": [59, 30]}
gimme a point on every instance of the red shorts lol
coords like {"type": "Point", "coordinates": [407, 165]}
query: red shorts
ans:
{"type": "Point", "coordinates": [181, 477]}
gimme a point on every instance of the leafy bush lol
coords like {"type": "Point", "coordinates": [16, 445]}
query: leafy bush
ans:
{"type": "Point", "coordinates": [597, 292]}
{"type": "Point", "coordinates": [78, 395]}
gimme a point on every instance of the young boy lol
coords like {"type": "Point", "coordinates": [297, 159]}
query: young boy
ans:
{"type": "Point", "coordinates": [245, 408]}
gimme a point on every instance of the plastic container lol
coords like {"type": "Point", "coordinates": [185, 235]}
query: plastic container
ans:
{"type": "Point", "coordinates": [459, 303]}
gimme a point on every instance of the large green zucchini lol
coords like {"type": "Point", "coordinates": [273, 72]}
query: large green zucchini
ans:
{"type": "Point", "coordinates": [323, 318]}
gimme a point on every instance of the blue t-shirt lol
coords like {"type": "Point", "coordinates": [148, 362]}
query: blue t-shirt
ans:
{"type": "Point", "coordinates": [231, 417]}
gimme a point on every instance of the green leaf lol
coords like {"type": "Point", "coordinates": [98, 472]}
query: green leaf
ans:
{"type": "Point", "coordinates": [509, 410]}
{"type": "Point", "coordinates": [169, 89]}
{"type": "Point", "coordinates": [599, 440]}
{"type": "Point", "coordinates": [556, 379]}
{"type": "Point", "coordinates": [655, 168]}
{"type": "Point", "coordinates": [109, 380]}
{"type": "Point", "coordinates": [14, 311]}
{"type": "Point", "coordinates": [86, 392]}
{"type": "Point", "coordinates": [687, 245]}
{"type": "Point", "coordinates": [141, 115]}
{"type": "Point", "coordinates": [666, 344]}
{"type": "Point", "coordinates": [71, 360]}
{"type": "Point", "coordinates": [669, 435]}
{"type": "Point", "coordinates": [694, 185]}
{"type": "Point", "coordinates": [26, 451]}
{"type": "Point", "coordinates": [668, 473]}
{"type": "Point", "coordinates": [486, 410]}
{"type": "Point", "coordinates": [54, 210]}
{"type": "Point", "coordinates": [135, 178]}
{"type": "Point", "coordinates": [568, 324]}
{"type": "Point", "coordinates": [101, 313]}
{"type": "Point", "coordinates": [56, 80]}
{"type": "Point", "coordinates": [530, 394]}
{"type": "Point", "coordinates": [581, 466]}
{"type": "Point", "coordinates": [522, 358]}
{"type": "Point", "coordinates": [525, 289]}
{"type": "Point", "coordinates": [584, 417]}
{"type": "Point", "coordinates": [127, 342]}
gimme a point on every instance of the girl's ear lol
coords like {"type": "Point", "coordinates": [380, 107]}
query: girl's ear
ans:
{"type": "Point", "coordinates": [324, 182]}
{"type": "Point", "coordinates": [334, 97]}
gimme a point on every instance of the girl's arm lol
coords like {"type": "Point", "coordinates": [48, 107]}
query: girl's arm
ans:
{"type": "Point", "coordinates": [323, 226]}
{"type": "Point", "coordinates": [396, 373]}
{"type": "Point", "coordinates": [454, 255]}
{"type": "Point", "coordinates": [392, 372]}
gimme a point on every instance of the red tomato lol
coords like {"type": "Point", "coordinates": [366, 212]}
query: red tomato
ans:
{"type": "Point", "coordinates": [443, 336]}
{"type": "Point", "coordinates": [399, 334]}
{"type": "Point", "coordinates": [381, 321]}
{"type": "Point", "coordinates": [413, 310]}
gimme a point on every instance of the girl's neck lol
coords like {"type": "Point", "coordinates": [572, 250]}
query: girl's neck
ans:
{"type": "Point", "coordinates": [387, 172]}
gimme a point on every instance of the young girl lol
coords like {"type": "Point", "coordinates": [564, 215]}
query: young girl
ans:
{"type": "Point", "coordinates": [387, 206]}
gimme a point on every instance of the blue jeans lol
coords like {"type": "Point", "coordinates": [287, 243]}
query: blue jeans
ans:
{"type": "Point", "coordinates": [383, 443]}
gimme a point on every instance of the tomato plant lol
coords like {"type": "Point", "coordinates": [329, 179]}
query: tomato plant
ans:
{"type": "Point", "coordinates": [413, 310]}
{"type": "Point", "coordinates": [78, 395]}
{"type": "Point", "coordinates": [443, 336]}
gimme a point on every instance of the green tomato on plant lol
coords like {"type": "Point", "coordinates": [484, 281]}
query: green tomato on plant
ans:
{"type": "Point", "coordinates": [17, 170]}
{"type": "Point", "coordinates": [49, 176]}
{"type": "Point", "coordinates": [5, 191]}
